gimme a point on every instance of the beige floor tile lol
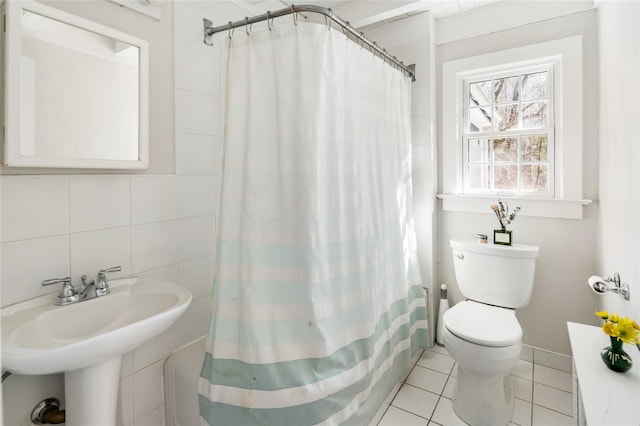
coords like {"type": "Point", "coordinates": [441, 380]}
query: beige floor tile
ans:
{"type": "Point", "coordinates": [522, 413]}
{"type": "Point", "coordinates": [552, 398]}
{"type": "Point", "coordinates": [551, 377]}
{"type": "Point", "coordinates": [427, 379]}
{"type": "Point", "coordinates": [445, 415]}
{"type": "Point", "coordinates": [436, 361]}
{"type": "Point", "coordinates": [416, 401]}
{"type": "Point", "coordinates": [524, 369]}
{"type": "Point", "coordinates": [522, 388]}
{"type": "Point", "coordinates": [545, 417]}
{"type": "Point", "coordinates": [397, 417]}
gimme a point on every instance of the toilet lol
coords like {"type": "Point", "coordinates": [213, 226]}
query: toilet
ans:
{"type": "Point", "coordinates": [482, 333]}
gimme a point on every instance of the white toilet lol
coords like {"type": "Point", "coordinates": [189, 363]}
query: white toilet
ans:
{"type": "Point", "coordinates": [482, 333]}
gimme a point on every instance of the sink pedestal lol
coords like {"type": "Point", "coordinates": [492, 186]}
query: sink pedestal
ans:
{"type": "Point", "coordinates": [91, 394]}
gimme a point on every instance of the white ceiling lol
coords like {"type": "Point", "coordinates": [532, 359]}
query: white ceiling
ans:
{"type": "Point", "coordinates": [370, 13]}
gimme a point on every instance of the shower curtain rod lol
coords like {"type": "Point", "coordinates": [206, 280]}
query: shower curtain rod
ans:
{"type": "Point", "coordinates": [209, 30]}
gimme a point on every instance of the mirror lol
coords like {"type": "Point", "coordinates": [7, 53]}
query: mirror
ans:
{"type": "Point", "coordinates": [75, 92]}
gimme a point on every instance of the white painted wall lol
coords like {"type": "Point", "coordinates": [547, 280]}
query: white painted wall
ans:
{"type": "Point", "coordinates": [568, 251]}
{"type": "Point", "coordinates": [619, 154]}
{"type": "Point", "coordinates": [156, 225]}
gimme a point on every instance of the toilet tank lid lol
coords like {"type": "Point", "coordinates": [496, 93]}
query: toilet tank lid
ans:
{"type": "Point", "coordinates": [515, 250]}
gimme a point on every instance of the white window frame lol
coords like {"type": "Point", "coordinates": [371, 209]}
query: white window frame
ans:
{"type": "Point", "coordinates": [532, 67]}
{"type": "Point", "coordinates": [565, 55]}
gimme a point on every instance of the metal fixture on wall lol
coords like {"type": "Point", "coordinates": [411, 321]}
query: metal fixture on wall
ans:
{"type": "Point", "coordinates": [613, 284]}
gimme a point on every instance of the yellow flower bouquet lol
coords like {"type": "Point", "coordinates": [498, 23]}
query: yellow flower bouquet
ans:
{"type": "Point", "coordinates": [620, 330]}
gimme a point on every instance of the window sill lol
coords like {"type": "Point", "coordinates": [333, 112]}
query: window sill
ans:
{"type": "Point", "coordinates": [538, 207]}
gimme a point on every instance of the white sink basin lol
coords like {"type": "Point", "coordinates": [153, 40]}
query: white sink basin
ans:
{"type": "Point", "coordinates": [39, 337]}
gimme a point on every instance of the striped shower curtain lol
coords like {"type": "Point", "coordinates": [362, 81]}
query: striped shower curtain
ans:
{"type": "Point", "coordinates": [317, 306]}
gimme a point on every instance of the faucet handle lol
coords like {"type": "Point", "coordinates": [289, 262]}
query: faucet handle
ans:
{"type": "Point", "coordinates": [102, 287]}
{"type": "Point", "coordinates": [68, 293]}
{"type": "Point", "coordinates": [112, 269]}
{"type": "Point", "coordinates": [56, 281]}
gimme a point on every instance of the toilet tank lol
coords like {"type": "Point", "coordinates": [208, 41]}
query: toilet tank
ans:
{"type": "Point", "coordinates": [495, 274]}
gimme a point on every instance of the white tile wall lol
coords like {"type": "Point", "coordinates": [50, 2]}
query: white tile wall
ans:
{"type": "Point", "coordinates": [160, 226]}
{"type": "Point", "coordinates": [99, 202]}
{"type": "Point", "coordinates": [95, 250]}
{"type": "Point", "coordinates": [153, 198]}
{"type": "Point", "coordinates": [153, 245]}
{"type": "Point", "coordinates": [26, 263]}
{"type": "Point", "coordinates": [34, 206]}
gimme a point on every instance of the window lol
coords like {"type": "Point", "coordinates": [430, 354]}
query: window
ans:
{"type": "Point", "coordinates": [512, 128]}
{"type": "Point", "coordinates": [507, 138]}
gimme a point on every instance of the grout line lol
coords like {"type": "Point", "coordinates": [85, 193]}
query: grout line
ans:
{"type": "Point", "coordinates": [532, 389]}
{"type": "Point", "coordinates": [550, 409]}
{"type": "Point", "coordinates": [410, 412]}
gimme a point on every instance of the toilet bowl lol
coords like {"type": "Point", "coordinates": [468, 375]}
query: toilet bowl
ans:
{"type": "Point", "coordinates": [482, 333]}
{"type": "Point", "coordinates": [483, 394]}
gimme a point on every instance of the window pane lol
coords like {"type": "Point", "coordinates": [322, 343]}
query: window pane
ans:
{"type": "Point", "coordinates": [534, 148]}
{"type": "Point", "coordinates": [534, 177]}
{"type": "Point", "coordinates": [505, 90]}
{"type": "Point", "coordinates": [534, 115]}
{"type": "Point", "coordinates": [480, 93]}
{"type": "Point", "coordinates": [479, 119]}
{"type": "Point", "coordinates": [535, 86]}
{"type": "Point", "coordinates": [506, 117]}
{"type": "Point", "coordinates": [479, 178]}
{"type": "Point", "coordinates": [505, 149]}
{"type": "Point", "coordinates": [478, 150]}
{"type": "Point", "coordinates": [505, 177]}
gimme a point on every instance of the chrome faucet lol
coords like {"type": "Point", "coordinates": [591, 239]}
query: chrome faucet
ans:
{"type": "Point", "coordinates": [69, 294]}
{"type": "Point", "coordinates": [83, 293]}
{"type": "Point", "coordinates": [102, 286]}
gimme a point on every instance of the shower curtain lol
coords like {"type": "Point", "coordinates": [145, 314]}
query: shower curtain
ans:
{"type": "Point", "coordinates": [318, 306]}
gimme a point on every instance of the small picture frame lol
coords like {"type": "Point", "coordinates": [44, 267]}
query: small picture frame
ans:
{"type": "Point", "coordinates": [502, 236]}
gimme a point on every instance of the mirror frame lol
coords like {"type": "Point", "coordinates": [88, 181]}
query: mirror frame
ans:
{"type": "Point", "coordinates": [13, 47]}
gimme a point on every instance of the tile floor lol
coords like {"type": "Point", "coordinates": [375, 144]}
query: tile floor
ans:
{"type": "Point", "coordinates": [543, 394]}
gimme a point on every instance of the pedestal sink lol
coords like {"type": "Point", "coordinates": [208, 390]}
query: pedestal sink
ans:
{"type": "Point", "coordinates": [86, 340]}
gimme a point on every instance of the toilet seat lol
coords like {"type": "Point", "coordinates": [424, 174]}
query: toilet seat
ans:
{"type": "Point", "coordinates": [482, 324]}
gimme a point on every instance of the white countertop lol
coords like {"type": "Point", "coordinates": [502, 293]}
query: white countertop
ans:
{"type": "Point", "coordinates": [609, 398]}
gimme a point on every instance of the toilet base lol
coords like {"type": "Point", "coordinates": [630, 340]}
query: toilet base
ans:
{"type": "Point", "coordinates": [483, 400]}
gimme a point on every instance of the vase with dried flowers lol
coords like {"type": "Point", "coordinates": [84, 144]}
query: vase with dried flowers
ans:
{"type": "Point", "coordinates": [620, 330]}
{"type": "Point", "coordinates": [502, 235]}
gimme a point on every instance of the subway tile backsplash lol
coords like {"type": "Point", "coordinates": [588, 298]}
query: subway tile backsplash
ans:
{"type": "Point", "coordinates": [34, 207]}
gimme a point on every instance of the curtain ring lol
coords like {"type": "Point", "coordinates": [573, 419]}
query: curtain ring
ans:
{"type": "Point", "coordinates": [230, 29]}
{"type": "Point", "coordinates": [246, 25]}
{"type": "Point", "coordinates": [331, 13]}
{"type": "Point", "coordinates": [361, 40]}
{"type": "Point", "coordinates": [269, 21]}
{"type": "Point", "coordinates": [295, 15]}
